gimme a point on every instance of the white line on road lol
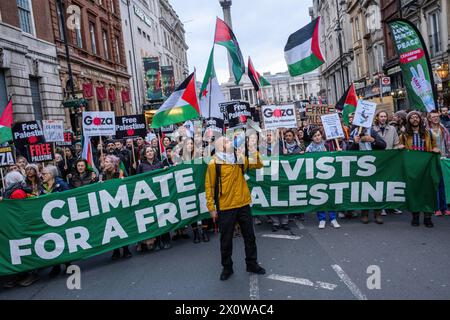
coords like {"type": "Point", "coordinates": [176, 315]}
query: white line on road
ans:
{"type": "Point", "coordinates": [281, 236]}
{"type": "Point", "coordinates": [349, 283]}
{"type": "Point", "coordinates": [304, 282]}
{"type": "Point", "coordinates": [254, 287]}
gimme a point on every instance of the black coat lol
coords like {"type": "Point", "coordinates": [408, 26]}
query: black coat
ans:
{"type": "Point", "coordinates": [146, 166]}
{"type": "Point", "coordinates": [77, 180]}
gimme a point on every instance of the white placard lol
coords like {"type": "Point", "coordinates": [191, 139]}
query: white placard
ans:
{"type": "Point", "coordinates": [332, 126]}
{"type": "Point", "coordinates": [99, 123]}
{"type": "Point", "coordinates": [279, 116]}
{"type": "Point", "coordinates": [364, 114]}
{"type": "Point", "coordinates": [53, 130]}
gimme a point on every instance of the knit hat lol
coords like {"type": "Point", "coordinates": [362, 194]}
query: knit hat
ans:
{"type": "Point", "coordinates": [411, 113]}
{"type": "Point", "coordinates": [401, 114]}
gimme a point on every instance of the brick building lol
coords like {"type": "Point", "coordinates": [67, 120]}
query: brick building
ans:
{"type": "Point", "coordinates": [28, 61]}
{"type": "Point", "coordinates": [97, 55]}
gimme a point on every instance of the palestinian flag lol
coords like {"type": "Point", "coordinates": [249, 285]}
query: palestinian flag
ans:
{"type": "Point", "coordinates": [6, 121]}
{"type": "Point", "coordinates": [225, 37]}
{"type": "Point", "coordinates": [88, 155]}
{"type": "Point", "coordinates": [302, 51]}
{"type": "Point", "coordinates": [257, 80]}
{"type": "Point", "coordinates": [210, 93]}
{"type": "Point", "coordinates": [182, 105]}
{"type": "Point", "coordinates": [347, 104]}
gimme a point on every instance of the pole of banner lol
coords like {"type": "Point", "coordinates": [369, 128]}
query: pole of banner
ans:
{"type": "Point", "coordinates": [54, 153]}
{"type": "Point", "coordinates": [134, 156]}
{"type": "Point", "coordinates": [101, 149]}
{"type": "Point", "coordinates": [3, 179]}
{"type": "Point", "coordinates": [282, 139]}
{"type": "Point", "coordinates": [338, 147]}
{"type": "Point", "coordinates": [65, 158]}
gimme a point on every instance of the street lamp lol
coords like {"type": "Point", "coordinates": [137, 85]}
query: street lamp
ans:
{"type": "Point", "coordinates": [338, 29]}
{"type": "Point", "coordinates": [443, 70]}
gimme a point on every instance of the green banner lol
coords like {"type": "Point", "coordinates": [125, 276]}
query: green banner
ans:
{"type": "Point", "coordinates": [68, 226]}
{"type": "Point", "coordinates": [445, 165]}
{"type": "Point", "coordinates": [415, 64]}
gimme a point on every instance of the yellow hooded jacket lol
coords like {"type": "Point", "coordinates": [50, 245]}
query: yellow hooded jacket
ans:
{"type": "Point", "coordinates": [233, 190]}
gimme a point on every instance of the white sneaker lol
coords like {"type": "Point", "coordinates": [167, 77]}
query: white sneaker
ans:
{"type": "Point", "coordinates": [335, 224]}
{"type": "Point", "coordinates": [322, 224]}
{"type": "Point", "coordinates": [396, 211]}
{"type": "Point", "coordinates": [383, 212]}
{"type": "Point", "coordinates": [341, 215]}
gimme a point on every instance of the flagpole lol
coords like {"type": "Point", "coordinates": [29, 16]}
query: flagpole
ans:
{"type": "Point", "coordinates": [54, 153]}
{"type": "Point", "coordinates": [3, 179]}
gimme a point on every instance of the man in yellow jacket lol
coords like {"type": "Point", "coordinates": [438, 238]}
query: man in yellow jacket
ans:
{"type": "Point", "coordinates": [228, 200]}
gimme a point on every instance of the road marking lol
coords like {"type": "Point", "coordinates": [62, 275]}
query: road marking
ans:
{"type": "Point", "coordinates": [349, 283]}
{"type": "Point", "coordinates": [281, 236]}
{"type": "Point", "coordinates": [304, 282]}
{"type": "Point", "coordinates": [299, 225]}
{"type": "Point", "coordinates": [254, 287]}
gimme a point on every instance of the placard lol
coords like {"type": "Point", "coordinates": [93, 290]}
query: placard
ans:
{"type": "Point", "coordinates": [68, 139]}
{"type": "Point", "coordinates": [364, 114]}
{"type": "Point", "coordinates": [53, 130]}
{"type": "Point", "coordinates": [214, 126]}
{"type": "Point", "coordinates": [315, 111]}
{"type": "Point", "coordinates": [236, 113]}
{"type": "Point", "coordinates": [40, 152]}
{"type": "Point", "coordinates": [279, 116]}
{"type": "Point", "coordinates": [6, 156]}
{"type": "Point", "coordinates": [332, 126]}
{"type": "Point", "coordinates": [99, 123]}
{"type": "Point", "coordinates": [130, 126]}
{"type": "Point", "coordinates": [27, 133]}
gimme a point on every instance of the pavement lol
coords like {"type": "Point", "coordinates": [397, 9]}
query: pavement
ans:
{"type": "Point", "coordinates": [303, 263]}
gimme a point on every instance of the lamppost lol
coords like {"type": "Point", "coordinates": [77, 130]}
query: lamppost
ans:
{"type": "Point", "coordinates": [226, 8]}
{"type": "Point", "coordinates": [338, 29]}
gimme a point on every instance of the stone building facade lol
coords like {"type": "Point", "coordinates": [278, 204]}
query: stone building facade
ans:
{"type": "Point", "coordinates": [97, 54]}
{"type": "Point", "coordinates": [283, 88]}
{"type": "Point", "coordinates": [29, 70]}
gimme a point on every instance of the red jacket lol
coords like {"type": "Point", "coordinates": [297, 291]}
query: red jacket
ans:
{"type": "Point", "coordinates": [18, 194]}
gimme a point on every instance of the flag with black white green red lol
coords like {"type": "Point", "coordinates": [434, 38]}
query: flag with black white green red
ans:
{"type": "Point", "coordinates": [182, 105]}
{"type": "Point", "coordinates": [302, 51]}
{"type": "Point", "coordinates": [347, 104]}
{"type": "Point", "coordinates": [87, 154]}
{"type": "Point", "coordinates": [210, 93]}
{"type": "Point", "coordinates": [225, 37]}
{"type": "Point", "coordinates": [6, 121]}
{"type": "Point", "coordinates": [257, 80]}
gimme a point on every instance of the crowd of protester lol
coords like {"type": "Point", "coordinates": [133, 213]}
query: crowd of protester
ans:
{"type": "Point", "coordinates": [116, 159]}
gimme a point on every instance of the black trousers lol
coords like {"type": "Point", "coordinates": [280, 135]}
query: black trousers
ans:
{"type": "Point", "coordinates": [227, 220]}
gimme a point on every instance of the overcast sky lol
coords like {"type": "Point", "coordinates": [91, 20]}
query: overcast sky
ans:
{"type": "Point", "coordinates": [262, 28]}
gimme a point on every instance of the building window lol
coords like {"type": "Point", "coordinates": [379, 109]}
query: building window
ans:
{"type": "Point", "coordinates": [139, 30]}
{"type": "Point", "coordinates": [116, 44]}
{"type": "Point", "coordinates": [78, 39]}
{"type": "Point", "coordinates": [61, 34]}
{"type": "Point", "coordinates": [26, 22]}
{"type": "Point", "coordinates": [113, 6]}
{"type": "Point", "coordinates": [434, 33]}
{"type": "Point", "coordinates": [144, 34]}
{"type": "Point", "coordinates": [105, 44]}
{"type": "Point", "coordinates": [3, 93]}
{"type": "Point", "coordinates": [357, 29]}
{"type": "Point", "coordinates": [93, 39]}
{"type": "Point", "coordinates": [36, 98]}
